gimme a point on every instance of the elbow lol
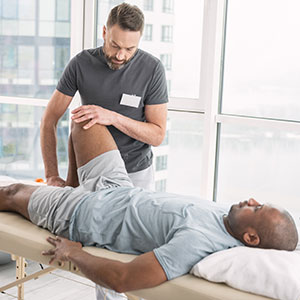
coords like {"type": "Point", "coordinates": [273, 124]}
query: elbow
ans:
{"type": "Point", "coordinates": [47, 123]}
{"type": "Point", "coordinates": [120, 289]}
{"type": "Point", "coordinates": [158, 139]}
{"type": "Point", "coordinates": [120, 284]}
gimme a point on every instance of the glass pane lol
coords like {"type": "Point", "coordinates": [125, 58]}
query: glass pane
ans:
{"type": "Point", "coordinates": [20, 153]}
{"type": "Point", "coordinates": [9, 9]}
{"type": "Point", "coordinates": [262, 62]}
{"type": "Point", "coordinates": [170, 27]}
{"type": "Point", "coordinates": [30, 63]}
{"type": "Point", "coordinates": [178, 160]}
{"type": "Point", "coordinates": [62, 10]}
{"type": "Point", "coordinates": [259, 163]}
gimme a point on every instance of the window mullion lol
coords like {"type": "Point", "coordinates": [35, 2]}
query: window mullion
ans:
{"type": "Point", "coordinates": [77, 38]}
{"type": "Point", "coordinates": [211, 65]}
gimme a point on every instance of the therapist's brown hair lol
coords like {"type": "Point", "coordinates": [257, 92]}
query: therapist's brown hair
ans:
{"type": "Point", "coordinates": [128, 17]}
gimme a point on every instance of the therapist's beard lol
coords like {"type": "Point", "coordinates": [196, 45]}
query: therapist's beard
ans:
{"type": "Point", "coordinates": [111, 64]}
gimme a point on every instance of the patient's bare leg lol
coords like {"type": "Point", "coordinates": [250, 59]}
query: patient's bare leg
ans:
{"type": "Point", "coordinates": [85, 145]}
{"type": "Point", "coordinates": [89, 143]}
{"type": "Point", "coordinates": [72, 177]}
{"type": "Point", "coordinates": [15, 197]}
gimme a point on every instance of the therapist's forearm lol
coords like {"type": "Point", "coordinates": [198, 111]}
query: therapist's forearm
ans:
{"type": "Point", "coordinates": [150, 132]}
{"type": "Point", "coordinates": [48, 148]}
{"type": "Point", "coordinates": [145, 132]}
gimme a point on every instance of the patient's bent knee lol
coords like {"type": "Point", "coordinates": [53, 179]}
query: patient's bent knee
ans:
{"type": "Point", "coordinates": [12, 189]}
{"type": "Point", "coordinates": [7, 195]}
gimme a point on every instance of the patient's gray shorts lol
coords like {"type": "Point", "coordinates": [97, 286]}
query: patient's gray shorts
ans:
{"type": "Point", "coordinates": [52, 207]}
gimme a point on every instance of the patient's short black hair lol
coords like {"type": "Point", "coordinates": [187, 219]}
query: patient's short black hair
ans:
{"type": "Point", "coordinates": [281, 235]}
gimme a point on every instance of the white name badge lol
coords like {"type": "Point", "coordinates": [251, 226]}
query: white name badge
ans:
{"type": "Point", "coordinates": [130, 100]}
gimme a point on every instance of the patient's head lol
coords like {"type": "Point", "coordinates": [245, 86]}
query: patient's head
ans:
{"type": "Point", "coordinates": [262, 226]}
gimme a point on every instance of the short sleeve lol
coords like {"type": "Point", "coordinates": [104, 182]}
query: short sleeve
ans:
{"type": "Point", "coordinates": [68, 81]}
{"type": "Point", "coordinates": [182, 252]}
{"type": "Point", "coordinates": [157, 92]}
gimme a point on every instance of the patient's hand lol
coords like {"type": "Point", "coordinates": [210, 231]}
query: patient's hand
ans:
{"type": "Point", "coordinates": [62, 250]}
{"type": "Point", "coordinates": [56, 181]}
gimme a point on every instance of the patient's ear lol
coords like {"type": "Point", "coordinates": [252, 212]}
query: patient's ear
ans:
{"type": "Point", "coordinates": [251, 238]}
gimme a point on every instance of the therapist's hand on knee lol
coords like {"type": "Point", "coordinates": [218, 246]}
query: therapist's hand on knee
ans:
{"type": "Point", "coordinates": [56, 181]}
{"type": "Point", "coordinates": [62, 250]}
{"type": "Point", "coordinates": [95, 114]}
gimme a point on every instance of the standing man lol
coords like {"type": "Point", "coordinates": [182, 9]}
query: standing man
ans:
{"type": "Point", "coordinates": [121, 87]}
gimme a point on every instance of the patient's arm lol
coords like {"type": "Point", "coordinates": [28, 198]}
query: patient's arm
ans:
{"type": "Point", "coordinates": [142, 272]}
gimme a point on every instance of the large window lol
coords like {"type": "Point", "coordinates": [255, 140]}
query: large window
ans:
{"type": "Point", "coordinates": [262, 62]}
{"type": "Point", "coordinates": [260, 108]}
{"type": "Point", "coordinates": [35, 47]}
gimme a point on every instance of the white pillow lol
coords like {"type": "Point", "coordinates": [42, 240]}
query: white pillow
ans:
{"type": "Point", "coordinates": [271, 273]}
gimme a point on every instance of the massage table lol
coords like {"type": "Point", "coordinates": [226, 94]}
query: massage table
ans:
{"type": "Point", "coordinates": [23, 239]}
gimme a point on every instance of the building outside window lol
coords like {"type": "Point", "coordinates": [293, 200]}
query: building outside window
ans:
{"type": "Point", "coordinates": [167, 33]}
{"type": "Point", "coordinates": [165, 142]}
{"type": "Point", "coordinates": [161, 163]}
{"type": "Point", "coordinates": [166, 60]}
{"type": "Point", "coordinates": [161, 185]}
{"type": "Point", "coordinates": [9, 9]}
{"type": "Point", "coordinates": [168, 6]}
{"type": "Point", "coordinates": [169, 85]}
{"type": "Point", "coordinates": [147, 35]}
{"type": "Point", "coordinates": [9, 57]}
{"type": "Point", "coordinates": [35, 48]}
{"type": "Point", "coordinates": [148, 5]}
{"type": "Point", "coordinates": [62, 11]}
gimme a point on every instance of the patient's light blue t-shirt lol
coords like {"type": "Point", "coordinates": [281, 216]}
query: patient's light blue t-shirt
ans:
{"type": "Point", "coordinates": [180, 230]}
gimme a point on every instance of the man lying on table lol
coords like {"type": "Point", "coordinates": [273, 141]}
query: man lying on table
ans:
{"type": "Point", "coordinates": [170, 232]}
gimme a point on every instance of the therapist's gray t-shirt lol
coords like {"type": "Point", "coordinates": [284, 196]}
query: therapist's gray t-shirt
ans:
{"type": "Point", "coordinates": [142, 76]}
{"type": "Point", "coordinates": [179, 230]}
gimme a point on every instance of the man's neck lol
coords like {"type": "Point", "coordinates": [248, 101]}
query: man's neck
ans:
{"type": "Point", "coordinates": [227, 226]}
